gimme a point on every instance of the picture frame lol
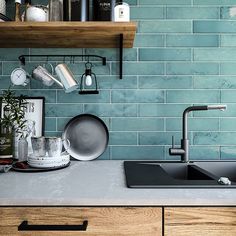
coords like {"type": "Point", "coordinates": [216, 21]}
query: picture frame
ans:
{"type": "Point", "coordinates": [35, 114]}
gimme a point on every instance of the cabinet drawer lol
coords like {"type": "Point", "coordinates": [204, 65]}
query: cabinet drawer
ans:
{"type": "Point", "coordinates": [199, 221]}
{"type": "Point", "coordinates": [101, 221]}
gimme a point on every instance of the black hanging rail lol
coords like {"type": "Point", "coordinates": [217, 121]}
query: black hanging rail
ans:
{"type": "Point", "coordinates": [22, 57]}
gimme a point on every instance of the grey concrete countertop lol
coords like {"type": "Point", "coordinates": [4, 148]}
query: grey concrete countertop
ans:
{"type": "Point", "coordinates": [99, 183]}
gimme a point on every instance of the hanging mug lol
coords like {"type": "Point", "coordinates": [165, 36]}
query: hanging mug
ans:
{"type": "Point", "coordinates": [42, 74]}
{"type": "Point", "coordinates": [66, 77]}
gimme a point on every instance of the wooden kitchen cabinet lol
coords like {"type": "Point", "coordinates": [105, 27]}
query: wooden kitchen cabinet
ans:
{"type": "Point", "coordinates": [102, 221]}
{"type": "Point", "coordinates": [200, 221]}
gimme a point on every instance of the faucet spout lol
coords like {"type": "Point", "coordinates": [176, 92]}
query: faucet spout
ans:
{"type": "Point", "coordinates": [183, 151]}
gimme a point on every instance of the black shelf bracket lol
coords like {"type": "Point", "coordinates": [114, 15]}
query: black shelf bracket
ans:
{"type": "Point", "coordinates": [22, 57]}
{"type": "Point", "coordinates": [121, 39]}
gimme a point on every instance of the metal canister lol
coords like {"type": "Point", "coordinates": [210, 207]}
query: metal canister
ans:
{"type": "Point", "coordinates": [76, 10]}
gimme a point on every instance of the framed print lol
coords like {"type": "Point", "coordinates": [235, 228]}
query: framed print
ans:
{"type": "Point", "coordinates": [35, 116]}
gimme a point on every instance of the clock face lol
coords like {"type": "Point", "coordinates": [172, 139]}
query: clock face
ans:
{"type": "Point", "coordinates": [18, 77]}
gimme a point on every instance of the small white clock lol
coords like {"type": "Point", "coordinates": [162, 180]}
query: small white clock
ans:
{"type": "Point", "coordinates": [19, 77]}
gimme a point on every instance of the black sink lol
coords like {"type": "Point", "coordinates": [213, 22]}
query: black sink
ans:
{"type": "Point", "coordinates": [152, 174]}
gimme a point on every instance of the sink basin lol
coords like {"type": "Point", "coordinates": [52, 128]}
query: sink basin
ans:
{"type": "Point", "coordinates": [152, 174]}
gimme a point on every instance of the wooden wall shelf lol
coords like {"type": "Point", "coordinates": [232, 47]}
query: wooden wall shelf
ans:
{"type": "Point", "coordinates": [66, 34]}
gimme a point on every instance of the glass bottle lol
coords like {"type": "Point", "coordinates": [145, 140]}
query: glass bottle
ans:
{"type": "Point", "coordinates": [22, 149]}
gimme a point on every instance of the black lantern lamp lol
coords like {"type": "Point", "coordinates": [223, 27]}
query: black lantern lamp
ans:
{"type": "Point", "coordinates": [88, 79]}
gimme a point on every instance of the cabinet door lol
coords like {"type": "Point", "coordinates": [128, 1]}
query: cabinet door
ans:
{"type": "Point", "coordinates": [200, 221]}
{"type": "Point", "coordinates": [60, 221]}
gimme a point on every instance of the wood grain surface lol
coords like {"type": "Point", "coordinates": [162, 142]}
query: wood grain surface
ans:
{"type": "Point", "coordinates": [66, 34]}
{"type": "Point", "coordinates": [130, 221]}
{"type": "Point", "coordinates": [202, 221]}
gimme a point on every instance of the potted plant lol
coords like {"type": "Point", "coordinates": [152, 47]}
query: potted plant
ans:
{"type": "Point", "coordinates": [12, 122]}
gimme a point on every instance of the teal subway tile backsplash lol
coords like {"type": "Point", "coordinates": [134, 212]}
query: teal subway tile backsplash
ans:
{"type": "Point", "coordinates": [192, 68]}
{"type": "Point", "coordinates": [149, 40]}
{"type": "Point", "coordinates": [164, 2]}
{"type": "Point", "coordinates": [165, 82]}
{"type": "Point", "coordinates": [164, 26]}
{"type": "Point", "coordinates": [137, 124]}
{"type": "Point", "coordinates": [138, 96]}
{"type": "Point", "coordinates": [192, 13]}
{"type": "Point", "coordinates": [193, 96]}
{"type": "Point", "coordinates": [63, 110]}
{"type": "Point", "coordinates": [228, 40]}
{"type": "Point", "coordinates": [123, 138]}
{"type": "Point", "coordinates": [215, 54]}
{"type": "Point", "coordinates": [187, 40]}
{"type": "Point", "coordinates": [214, 26]}
{"type": "Point", "coordinates": [228, 68]}
{"type": "Point", "coordinates": [195, 124]}
{"type": "Point", "coordinates": [214, 2]}
{"type": "Point", "coordinates": [215, 82]}
{"type": "Point", "coordinates": [147, 12]}
{"type": "Point", "coordinates": [151, 54]}
{"type": "Point", "coordinates": [184, 54]}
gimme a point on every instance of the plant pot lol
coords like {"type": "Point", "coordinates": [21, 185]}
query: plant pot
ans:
{"type": "Point", "coordinates": [6, 145]}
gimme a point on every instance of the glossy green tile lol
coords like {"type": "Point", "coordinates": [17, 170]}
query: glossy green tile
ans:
{"type": "Point", "coordinates": [164, 2]}
{"type": "Point", "coordinates": [111, 82]}
{"type": "Point", "coordinates": [196, 68]}
{"type": "Point", "coordinates": [215, 54]}
{"type": "Point", "coordinates": [215, 82]}
{"type": "Point", "coordinates": [193, 96]}
{"type": "Point", "coordinates": [165, 82]}
{"type": "Point", "coordinates": [213, 2]}
{"type": "Point", "coordinates": [123, 138]}
{"type": "Point", "coordinates": [214, 138]}
{"type": "Point", "coordinates": [205, 26]}
{"type": "Point", "coordinates": [50, 124]}
{"type": "Point", "coordinates": [194, 124]}
{"type": "Point", "coordinates": [111, 110]}
{"type": "Point", "coordinates": [164, 54]}
{"type": "Point", "coordinates": [162, 110]}
{"type": "Point", "coordinates": [50, 95]}
{"type": "Point", "coordinates": [228, 152]}
{"type": "Point", "coordinates": [137, 153]}
{"type": "Point", "coordinates": [12, 54]}
{"type": "Point", "coordinates": [228, 68]}
{"type": "Point", "coordinates": [204, 153]}
{"type": "Point", "coordinates": [159, 138]}
{"type": "Point", "coordinates": [139, 68]}
{"type": "Point", "coordinates": [74, 97]}
{"type": "Point", "coordinates": [170, 26]}
{"type": "Point", "coordinates": [228, 96]}
{"type": "Point", "coordinates": [192, 12]}
{"type": "Point", "coordinates": [137, 124]}
{"type": "Point", "coordinates": [63, 110]}
{"type": "Point", "coordinates": [138, 13]}
{"type": "Point", "coordinates": [188, 40]}
{"type": "Point", "coordinates": [228, 40]}
{"type": "Point", "coordinates": [228, 124]}
{"type": "Point", "coordinates": [149, 40]}
{"type": "Point", "coordinates": [137, 96]}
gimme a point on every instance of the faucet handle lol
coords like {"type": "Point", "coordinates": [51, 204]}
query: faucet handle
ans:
{"type": "Point", "coordinates": [173, 141]}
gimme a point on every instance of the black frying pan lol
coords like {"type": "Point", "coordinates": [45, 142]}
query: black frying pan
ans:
{"type": "Point", "coordinates": [88, 137]}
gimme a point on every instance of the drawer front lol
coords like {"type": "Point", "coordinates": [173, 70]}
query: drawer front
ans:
{"type": "Point", "coordinates": [199, 221]}
{"type": "Point", "coordinates": [101, 221]}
